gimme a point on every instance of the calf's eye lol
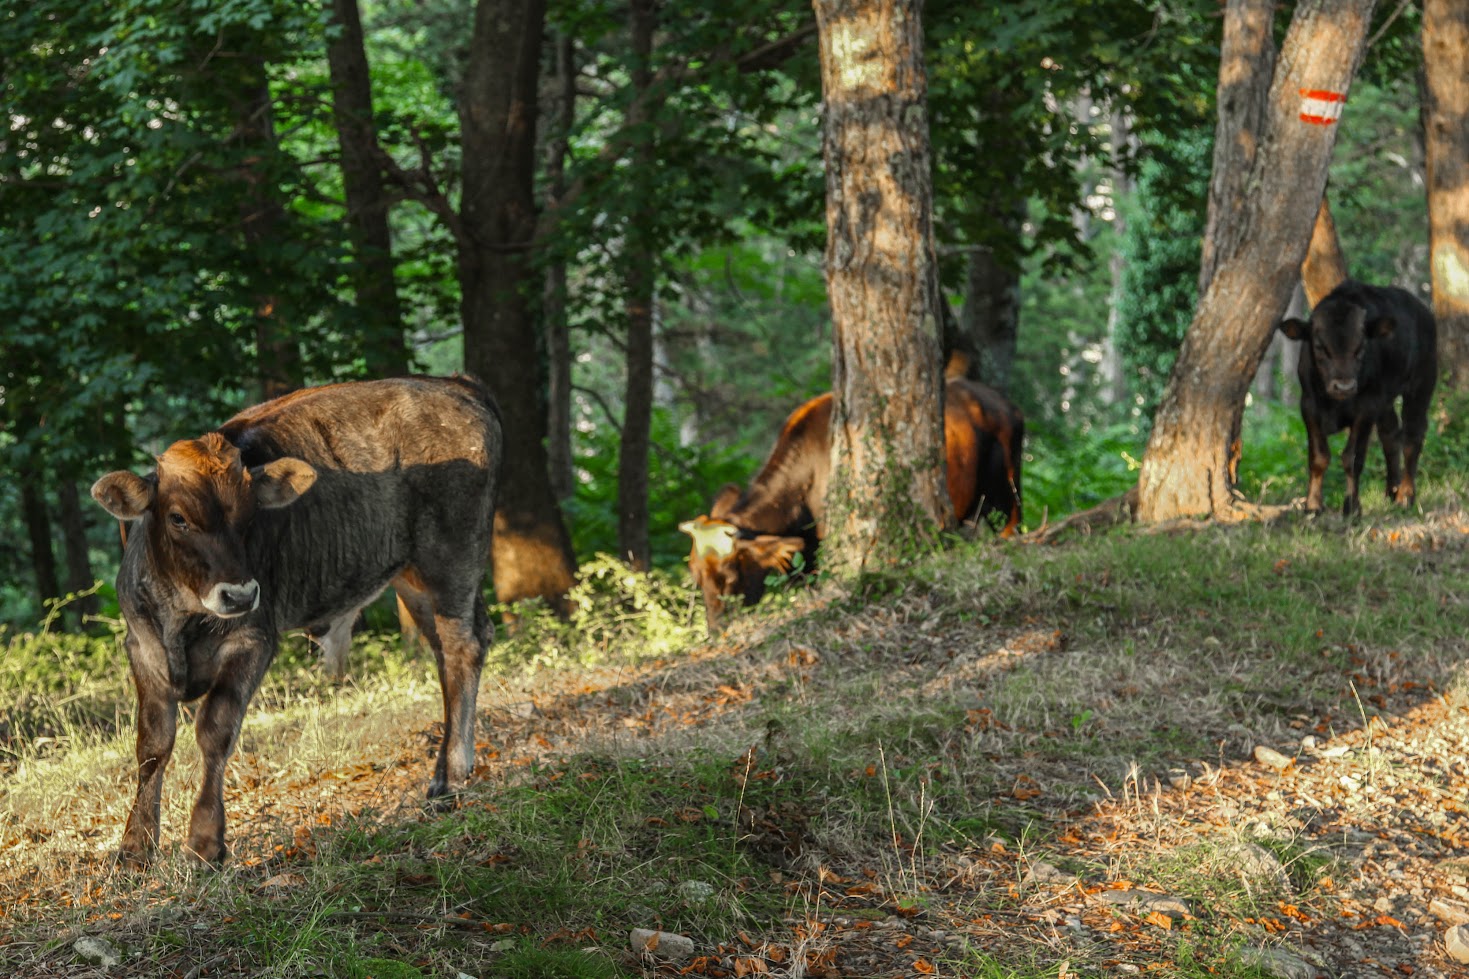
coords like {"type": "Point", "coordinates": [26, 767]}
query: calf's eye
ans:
{"type": "Point", "coordinates": [177, 521]}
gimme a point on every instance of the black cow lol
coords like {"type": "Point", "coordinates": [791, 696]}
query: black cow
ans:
{"type": "Point", "coordinates": [1365, 347]}
{"type": "Point", "coordinates": [295, 514]}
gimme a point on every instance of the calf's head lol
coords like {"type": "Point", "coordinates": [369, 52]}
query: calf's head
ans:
{"type": "Point", "coordinates": [199, 504]}
{"type": "Point", "coordinates": [1338, 335]}
{"type": "Point", "coordinates": [724, 563]}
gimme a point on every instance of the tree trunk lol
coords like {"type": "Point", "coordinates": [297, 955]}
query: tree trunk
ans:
{"type": "Point", "coordinates": [639, 279]}
{"type": "Point", "coordinates": [1257, 242]}
{"type": "Point", "coordinates": [992, 315]}
{"type": "Point", "coordinates": [378, 310]}
{"type": "Point", "coordinates": [1246, 63]}
{"type": "Point", "coordinates": [532, 552]}
{"type": "Point", "coordinates": [38, 529]}
{"type": "Point", "coordinates": [78, 558]}
{"type": "Point", "coordinates": [557, 327]}
{"type": "Point", "coordinates": [1446, 135]}
{"type": "Point", "coordinates": [278, 357]}
{"type": "Point", "coordinates": [1325, 266]}
{"type": "Point", "coordinates": [887, 484]}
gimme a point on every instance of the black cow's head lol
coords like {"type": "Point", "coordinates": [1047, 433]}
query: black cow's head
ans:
{"type": "Point", "coordinates": [724, 563]}
{"type": "Point", "coordinates": [200, 502]}
{"type": "Point", "coordinates": [1338, 334]}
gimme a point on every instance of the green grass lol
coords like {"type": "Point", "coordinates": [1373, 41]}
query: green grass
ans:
{"type": "Point", "coordinates": [899, 754]}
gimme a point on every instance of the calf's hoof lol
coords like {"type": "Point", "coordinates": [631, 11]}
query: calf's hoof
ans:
{"type": "Point", "coordinates": [132, 858]}
{"type": "Point", "coordinates": [212, 851]}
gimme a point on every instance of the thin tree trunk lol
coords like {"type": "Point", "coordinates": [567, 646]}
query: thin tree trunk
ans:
{"type": "Point", "coordinates": [378, 309]}
{"type": "Point", "coordinates": [1256, 246]}
{"type": "Point", "coordinates": [1446, 137]}
{"type": "Point", "coordinates": [38, 530]}
{"type": "Point", "coordinates": [640, 273]}
{"type": "Point", "coordinates": [278, 357]}
{"type": "Point", "coordinates": [887, 484]}
{"type": "Point", "coordinates": [78, 558]}
{"type": "Point", "coordinates": [992, 315]}
{"type": "Point", "coordinates": [1325, 266]}
{"type": "Point", "coordinates": [532, 551]}
{"type": "Point", "coordinates": [557, 327]}
{"type": "Point", "coordinates": [1246, 63]}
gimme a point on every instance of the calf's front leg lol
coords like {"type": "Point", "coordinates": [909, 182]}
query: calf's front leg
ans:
{"type": "Point", "coordinates": [157, 725]}
{"type": "Point", "coordinates": [217, 729]}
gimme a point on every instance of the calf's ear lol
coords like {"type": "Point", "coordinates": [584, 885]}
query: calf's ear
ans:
{"type": "Point", "coordinates": [1381, 327]}
{"type": "Point", "coordinates": [1294, 328]}
{"type": "Point", "coordinates": [281, 483]}
{"type": "Point", "coordinates": [123, 494]}
{"type": "Point", "coordinates": [724, 501]}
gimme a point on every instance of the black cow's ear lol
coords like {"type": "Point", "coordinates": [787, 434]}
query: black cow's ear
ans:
{"type": "Point", "coordinates": [1294, 328]}
{"type": "Point", "coordinates": [125, 495]}
{"type": "Point", "coordinates": [1381, 327]}
{"type": "Point", "coordinates": [281, 483]}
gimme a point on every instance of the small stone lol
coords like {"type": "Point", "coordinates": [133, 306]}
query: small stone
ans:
{"type": "Point", "coordinates": [281, 884]}
{"type": "Point", "coordinates": [1147, 901]}
{"type": "Point", "coordinates": [1456, 943]}
{"type": "Point", "coordinates": [662, 944]}
{"type": "Point", "coordinates": [1041, 872]}
{"type": "Point", "coordinates": [1308, 743]}
{"type": "Point", "coordinates": [1383, 905]}
{"type": "Point", "coordinates": [695, 891]}
{"type": "Point", "coordinates": [1254, 860]}
{"type": "Point", "coordinates": [504, 945]}
{"type": "Point", "coordinates": [1179, 778]}
{"type": "Point", "coordinates": [98, 951]}
{"type": "Point", "coordinates": [1271, 758]}
{"type": "Point", "coordinates": [1278, 963]}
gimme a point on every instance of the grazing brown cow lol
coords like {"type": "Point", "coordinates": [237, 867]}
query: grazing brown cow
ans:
{"type": "Point", "coordinates": [295, 514]}
{"type": "Point", "coordinates": [753, 534]}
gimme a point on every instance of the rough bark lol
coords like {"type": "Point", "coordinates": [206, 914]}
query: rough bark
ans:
{"type": "Point", "coordinates": [78, 559]}
{"type": "Point", "coordinates": [1325, 266]}
{"type": "Point", "coordinates": [1246, 63]}
{"type": "Point", "coordinates": [1258, 241]}
{"type": "Point", "coordinates": [887, 490]}
{"type": "Point", "coordinates": [532, 550]}
{"type": "Point", "coordinates": [378, 309]}
{"type": "Point", "coordinates": [38, 532]}
{"type": "Point", "coordinates": [639, 276]}
{"type": "Point", "coordinates": [1446, 135]}
{"type": "Point", "coordinates": [557, 329]}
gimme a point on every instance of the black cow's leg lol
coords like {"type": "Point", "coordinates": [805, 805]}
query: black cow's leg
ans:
{"type": "Point", "coordinates": [217, 729]}
{"type": "Point", "coordinates": [1415, 426]}
{"type": "Point", "coordinates": [1353, 458]}
{"type": "Point", "coordinates": [1318, 457]}
{"type": "Point", "coordinates": [157, 724]}
{"type": "Point", "coordinates": [1391, 436]}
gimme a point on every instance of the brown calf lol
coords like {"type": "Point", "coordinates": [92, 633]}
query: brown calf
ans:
{"type": "Point", "coordinates": [293, 515]}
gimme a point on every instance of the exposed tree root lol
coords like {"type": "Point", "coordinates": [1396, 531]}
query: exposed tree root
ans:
{"type": "Point", "coordinates": [1123, 509]}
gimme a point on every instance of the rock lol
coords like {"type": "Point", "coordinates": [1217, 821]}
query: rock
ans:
{"type": "Point", "coordinates": [1279, 963]}
{"type": "Point", "coordinates": [1449, 911]}
{"type": "Point", "coordinates": [1041, 872]}
{"type": "Point", "coordinates": [1147, 901]}
{"type": "Point", "coordinates": [1456, 943]}
{"type": "Point", "coordinates": [695, 891]}
{"type": "Point", "coordinates": [661, 944]}
{"type": "Point", "coordinates": [1179, 778]}
{"type": "Point", "coordinates": [98, 951]}
{"type": "Point", "coordinates": [1271, 758]}
{"type": "Point", "coordinates": [1254, 860]}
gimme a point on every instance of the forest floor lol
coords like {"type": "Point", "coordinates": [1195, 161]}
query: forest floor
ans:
{"type": "Point", "coordinates": [1235, 752]}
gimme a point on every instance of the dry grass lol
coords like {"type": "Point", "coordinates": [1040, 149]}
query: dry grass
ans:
{"type": "Point", "coordinates": [869, 782]}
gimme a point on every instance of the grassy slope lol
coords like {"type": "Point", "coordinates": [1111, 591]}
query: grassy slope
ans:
{"type": "Point", "coordinates": [867, 784]}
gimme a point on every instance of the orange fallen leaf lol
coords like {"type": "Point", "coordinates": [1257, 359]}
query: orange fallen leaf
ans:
{"type": "Point", "coordinates": [923, 966]}
{"type": "Point", "coordinates": [1160, 920]}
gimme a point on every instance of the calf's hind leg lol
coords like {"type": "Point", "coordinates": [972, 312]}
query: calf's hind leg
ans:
{"type": "Point", "coordinates": [457, 627]}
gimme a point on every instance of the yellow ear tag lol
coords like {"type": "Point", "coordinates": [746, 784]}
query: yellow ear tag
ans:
{"type": "Point", "coordinates": [710, 537]}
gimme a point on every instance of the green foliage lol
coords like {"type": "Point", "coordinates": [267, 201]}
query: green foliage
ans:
{"type": "Point", "coordinates": [617, 613]}
{"type": "Point", "coordinates": [681, 481]}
